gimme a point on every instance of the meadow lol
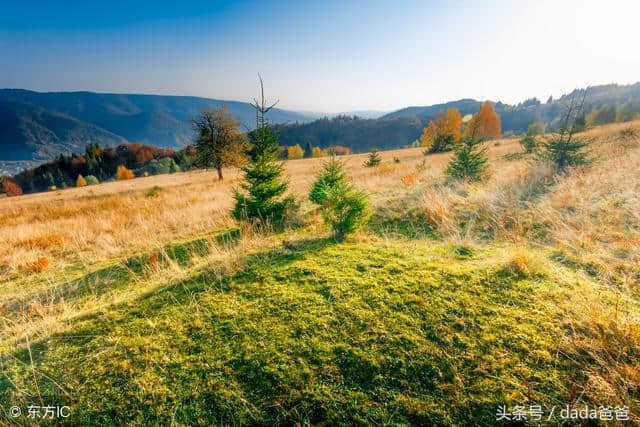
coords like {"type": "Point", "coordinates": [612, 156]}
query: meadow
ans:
{"type": "Point", "coordinates": [142, 302]}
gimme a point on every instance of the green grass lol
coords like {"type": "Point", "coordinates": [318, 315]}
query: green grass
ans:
{"type": "Point", "coordinates": [394, 332]}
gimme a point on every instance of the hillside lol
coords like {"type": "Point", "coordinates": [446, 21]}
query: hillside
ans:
{"type": "Point", "coordinates": [400, 128]}
{"type": "Point", "coordinates": [154, 308]}
{"type": "Point", "coordinates": [30, 132]}
{"type": "Point", "coordinates": [39, 126]}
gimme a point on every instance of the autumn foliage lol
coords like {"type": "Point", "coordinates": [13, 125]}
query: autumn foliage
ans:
{"type": "Point", "coordinates": [81, 182]}
{"type": "Point", "coordinates": [338, 150]}
{"type": "Point", "coordinates": [443, 132]}
{"type": "Point", "coordinates": [318, 152]}
{"type": "Point", "coordinates": [9, 187]}
{"type": "Point", "coordinates": [123, 173]}
{"type": "Point", "coordinates": [485, 124]}
{"type": "Point", "coordinates": [295, 152]}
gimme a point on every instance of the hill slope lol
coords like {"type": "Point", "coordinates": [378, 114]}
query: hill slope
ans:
{"type": "Point", "coordinates": [455, 300]}
{"type": "Point", "coordinates": [400, 128]}
{"type": "Point", "coordinates": [32, 121]}
{"type": "Point", "coordinates": [29, 132]}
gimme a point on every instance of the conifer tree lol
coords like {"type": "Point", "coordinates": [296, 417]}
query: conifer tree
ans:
{"type": "Point", "coordinates": [469, 161]}
{"type": "Point", "coordinates": [373, 160]}
{"type": "Point", "coordinates": [308, 150]}
{"type": "Point", "coordinates": [262, 199]}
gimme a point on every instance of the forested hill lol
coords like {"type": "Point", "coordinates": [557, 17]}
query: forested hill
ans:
{"type": "Point", "coordinates": [40, 126]}
{"type": "Point", "coordinates": [603, 104]}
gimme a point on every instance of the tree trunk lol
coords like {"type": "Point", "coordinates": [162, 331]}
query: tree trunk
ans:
{"type": "Point", "coordinates": [219, 173]}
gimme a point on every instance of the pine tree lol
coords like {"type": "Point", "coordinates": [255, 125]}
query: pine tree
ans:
{"type": "Point", "coordinates": [262, 200]}
{"type": "Point", "coordinates": [373, 160]}
{"type": "Point", "coordinates": [308, 150]}
{"type": "Point", "coordinates": [343, 207]}
{"type": "Point", "coordinates": [563, 150]}
{"type": "Point", "coordinates": [469, 161]}
{"type": "Point", "coordinates": [331, 175]}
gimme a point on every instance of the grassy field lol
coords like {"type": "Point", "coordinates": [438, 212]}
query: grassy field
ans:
{"type": "Point", "coordinates": [144, 307]}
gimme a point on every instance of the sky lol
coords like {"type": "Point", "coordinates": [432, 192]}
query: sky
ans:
{"type": "Point", "coordinates": [321, 56]}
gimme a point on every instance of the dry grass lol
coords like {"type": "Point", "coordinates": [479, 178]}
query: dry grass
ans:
{"type": "Point", "coordinates": [589, 221]}
{"type": "Point", "coordinates": [99, 222]}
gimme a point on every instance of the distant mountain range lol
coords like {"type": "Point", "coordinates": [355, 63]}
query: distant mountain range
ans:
{"type": "Point", "coordinates": [40, 126]}
{"type": "Point", "coordinates": [400, 128]}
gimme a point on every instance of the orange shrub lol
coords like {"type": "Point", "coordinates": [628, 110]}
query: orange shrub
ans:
{"type": "Point", "coordinates": [39, 266]}
{"type": "Point", "coordinates": [410, 179]}
{"type": "Point", "coordinates": [10, 187]}
{"type": "Point", "coordinates": [124, 173]}
{"type": "Point", "coordinates": [81, 182]}
{"type": "Point", "coordinates": [318, 152]}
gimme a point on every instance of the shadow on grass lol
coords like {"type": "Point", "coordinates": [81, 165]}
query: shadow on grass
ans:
{"type": "Point", "coordinates": [120, 274]}
{"type": "Point", "coordinates": [94, 329]}
{"type": "Point", "coordinates": [406, 224]}
{"type": "Point", "coordinates": [210, 278]}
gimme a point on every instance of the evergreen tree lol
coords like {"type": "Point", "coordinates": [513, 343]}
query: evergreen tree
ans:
{"type": "Point", "coordinates": [563, 150]}
{"type": "Point", "coordinates": [264, 187]}
{"type": "Point", "coordinates": [331, 175]}
{"type": "Point", "coordinates": [469, 161]}
{"type": "Point", "coordinates": [343, 207]}
{"type": "Point", "coordinates": [373, 160]}
{"type": "Point", "coordinates": [308, 150]}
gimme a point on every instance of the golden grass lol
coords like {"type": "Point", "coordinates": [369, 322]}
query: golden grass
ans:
{"type": "Point", "coordinates": [589, 220]}
{"type": "Point", "coordinates": [89, 224]}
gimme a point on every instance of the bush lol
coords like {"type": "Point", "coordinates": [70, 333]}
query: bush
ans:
{"type": "Point", "coordinates": [342, 206]}
{"type": "Point", "coordinates": [9, 187]}
{"type": "Point", "coordinates": [81, 182]}
{"type": "Point", "coordinates": [442, 143]}
{"type": "Point", "coordinates": [469, 161]}
{"type": "Point", "coordinates": [165, 165]}
{"type": "Point", "coordinates": [154, 191]}
{"type": "Point", "coordinates": [318, 152]}
{"type": "Point", "coordinates": [346, 210]}
{"type": "Point", "coordinates": [536, 128]}
{"type": "Point", "coordinates": [373, 160]}
{"type": "Point", "coordinates": [629, 132]}
{"type": "Point", "coordinates": [528, 143]}
{"type": "Point", "coordinates": [123, 173]}
{"type": "Point", "coordinates": [92, 180]}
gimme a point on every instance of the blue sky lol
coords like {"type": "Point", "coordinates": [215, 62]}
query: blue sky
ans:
{"type": "Point", "coordinates": [327, 56]}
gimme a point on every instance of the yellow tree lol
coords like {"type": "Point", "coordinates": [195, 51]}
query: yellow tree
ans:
{"type": "Point", "coordinates": [485, 124]}
{"type": "Point", "coordinates": [318, 152]}
{"type": "Point", "coordinates": [295, 152]}
{"type": "Point", "coordinates": [442, 132]}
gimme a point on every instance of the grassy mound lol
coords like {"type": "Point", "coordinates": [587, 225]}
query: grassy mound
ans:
{"type": "Point", "coordinates": [357, 332]}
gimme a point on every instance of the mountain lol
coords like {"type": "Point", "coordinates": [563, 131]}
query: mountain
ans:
{"type": "Point", "coordinates": [39, 126]}
{"type": "Point", "coordinates": [402, 127]}
{"type": "Point", "coordinates": [29, 132]}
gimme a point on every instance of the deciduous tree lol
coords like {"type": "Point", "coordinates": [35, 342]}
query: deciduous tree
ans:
{"type": "Point", "coordinates": [219, 143]}
{"type": "Point", "coordinates": [485, 124]}
{"type": "Point", "coordinates": [443, 132]}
